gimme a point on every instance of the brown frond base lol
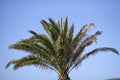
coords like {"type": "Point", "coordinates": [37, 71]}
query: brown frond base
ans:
{"type": "Point", "coordinates": [64, 77]}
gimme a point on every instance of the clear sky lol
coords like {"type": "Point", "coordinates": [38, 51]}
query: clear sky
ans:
{"type": "Point", "coordinates": [17, 17]}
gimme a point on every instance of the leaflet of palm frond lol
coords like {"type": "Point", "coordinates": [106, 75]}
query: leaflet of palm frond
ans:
{"type": "Point", "coordinates": [8, 64]}
{"type": "Point", "coordinates": [87, 27]}
{"type": "Point", "coordinates": [58, 25]}
{"type": "Point", "coordinates": [61, 24]}
{"type": "Point", "coordinates": [32, 32]}
{"type": "Point", "coordinates": [90, 26]}
{"type": "Point", "coordinates": [65, 28]}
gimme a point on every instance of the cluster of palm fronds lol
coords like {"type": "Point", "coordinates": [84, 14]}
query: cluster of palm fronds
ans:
{"type": "Point", "coordinates": [59, 51]}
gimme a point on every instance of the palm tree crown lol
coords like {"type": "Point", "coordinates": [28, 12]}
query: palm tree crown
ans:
{"type": "Point", "coordinates": [59, 51]}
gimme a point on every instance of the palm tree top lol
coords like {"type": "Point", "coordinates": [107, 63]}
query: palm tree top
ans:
{"type": "Point", "coordinates": [59, 50]}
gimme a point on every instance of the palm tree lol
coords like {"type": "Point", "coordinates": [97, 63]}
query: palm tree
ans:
{"type": "Point", "coordinates": [59, 50]}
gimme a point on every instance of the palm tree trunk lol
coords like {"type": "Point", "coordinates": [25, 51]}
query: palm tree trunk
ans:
{"type": "Point", "coordinates": [63, 77]}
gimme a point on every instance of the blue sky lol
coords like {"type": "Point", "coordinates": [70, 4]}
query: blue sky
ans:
{"type": "Point", "coordinates": [17, 17]}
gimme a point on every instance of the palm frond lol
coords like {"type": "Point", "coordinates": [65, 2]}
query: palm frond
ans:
{"type": "Point", "coordinates": [32, 32]}
{"type": "Point", "coordinates": [49, 29]}
{"type": "Point", "coordinates": [33, 48]}
{"type": "Point", "coordinates": [22, 45]}
{"type": "Point", "coordinates": [29, 60]}
{"type": "Point", "coordinates": [70, 34]}
{"type": "Point", "coordinates": [85, 56]}
{"type": "Point", "coordinates": [68, 41]}
{"type": "Point", "coordinates": [65, 28]}
{"type": "Point", "coordinates": [55, 25]}
{"type": "Point", "coordinates": [58, 25]}
{"type": "Point", "coordinates": [87, 27]}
